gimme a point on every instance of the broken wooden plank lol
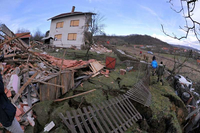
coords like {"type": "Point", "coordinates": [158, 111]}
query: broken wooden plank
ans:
{"type": "Point", "coordinates": [90, 120]}
{"type": "Point", "coordinates": [96, 120]}
{"type": "Point", "coordinates": [48, 83]}
{"type": "Point", "coordinates": [24, 86]}
{"type": "Point", "coordinates": [77, 121]}
{"type": "Point", "coordinates": [83, 120]}
{"type": "Point", "coordinates": [101, 118]}
{"type": "Point", "coordinates": [59, 80]}
{"type": "Point", "coordinates": [114, 117]}
{"type": "Point", "coordinates": [59, 100]}
{"type": "Point", "coordinates": [71, 121]}
{"type": "Point", "coordinates": [66, 123]}
{"type": "Point", "coordinates": [96, 66]}
{"type": "Point", "coordinates": [105, 116]}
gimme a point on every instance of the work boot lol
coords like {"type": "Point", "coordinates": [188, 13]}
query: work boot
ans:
{"type": "Point", "coordinates": [162, 82]}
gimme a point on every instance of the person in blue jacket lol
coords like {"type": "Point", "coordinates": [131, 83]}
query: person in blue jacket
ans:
{"type": "Point", "coordinates": [7, 112]}
{"type": "Point", "coordinates": [154, 65]}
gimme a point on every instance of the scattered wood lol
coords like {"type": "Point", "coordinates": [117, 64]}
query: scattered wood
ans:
{"type": "Point", "coordinates": [14, 38]}
{"type": "Point", "coordinates": [49, 75]}
{"type": "Point", "coordinates": [24, 86]}
{"type": "Point", "coordinates": [84, 79]}
{"type": "Point", "coordinates": [96, 66]}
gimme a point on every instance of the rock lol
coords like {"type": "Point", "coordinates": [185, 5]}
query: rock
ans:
{"type": "Point", "coordinates": [42, 111]}
{"type": "Point", "coordinates": [54, 116]}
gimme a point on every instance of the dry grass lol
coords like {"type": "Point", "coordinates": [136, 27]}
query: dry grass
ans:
{"type": "Point", "coordinates": [168, 60]}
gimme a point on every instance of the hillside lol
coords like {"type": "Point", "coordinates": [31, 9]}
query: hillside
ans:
{"type": "Point", "coordinates": [134, 39]}
{"type": "Point", "coordinates": [144, 39]}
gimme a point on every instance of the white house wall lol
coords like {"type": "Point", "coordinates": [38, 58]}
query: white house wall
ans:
{"type": "Point", "coordinates": [67, 29]}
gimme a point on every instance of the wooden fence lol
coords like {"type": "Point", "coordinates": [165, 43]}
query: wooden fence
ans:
{"type": "Point", "coordinates": [140, 93]}
{"type": "Point", "coordinates": [115, 115]}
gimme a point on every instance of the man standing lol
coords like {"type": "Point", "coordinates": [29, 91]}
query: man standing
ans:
{"type": "Point", "coordinates": [154, 65]}
{"type": "Point", "coordinates": [7, 112]}
{"type": "Point", "coordinates": [160, 72]}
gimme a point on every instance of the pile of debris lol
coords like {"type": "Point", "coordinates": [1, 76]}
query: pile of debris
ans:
{"type": "Point", "coordinates": [30, 77]}
{"type": "Point", "coordinates": [100, 49]}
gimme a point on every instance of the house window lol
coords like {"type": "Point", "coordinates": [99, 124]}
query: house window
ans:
{"type": "Point", "coordinates": [59, 25]}
{"type": "Point", "coordinates": [58, 37]}
{"type": "Point", "coordinates": [74, 23]}
{"type": "Point", "coordinates": [72, 36]}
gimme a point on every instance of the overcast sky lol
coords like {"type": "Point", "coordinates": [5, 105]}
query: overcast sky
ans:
{"type": "Point", "coordinates": [122, 17]}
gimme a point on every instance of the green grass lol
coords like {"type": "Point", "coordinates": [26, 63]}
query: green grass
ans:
{"type": "Point", "coordinates": [161, 105]}
{"type": "Point", "coordinates": [80, 55]}
{"type": "Point", "coordinates": [101, 83]}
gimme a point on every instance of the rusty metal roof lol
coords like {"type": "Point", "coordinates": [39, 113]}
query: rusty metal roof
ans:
{"type": "Point", "coordinates": [25, 36]}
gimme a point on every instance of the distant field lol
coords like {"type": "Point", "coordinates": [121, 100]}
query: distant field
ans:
{"type": "Point", "coordinates": [168, 60]}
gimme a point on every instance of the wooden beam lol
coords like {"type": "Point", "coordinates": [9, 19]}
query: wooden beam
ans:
{"type": "Point", "coordinates": [59, 100]}
{"type": "Point", "coordinates": [59, 80]}
{"type": "Point", "coordinates": [49, 83]}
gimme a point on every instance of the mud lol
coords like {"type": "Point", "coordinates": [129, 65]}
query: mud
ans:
{"type": "Point", "coordinates": [76, 104]}
{"type": "Point", "coordinates": [152, 125]}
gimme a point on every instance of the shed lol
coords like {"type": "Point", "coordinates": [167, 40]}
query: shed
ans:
{"type": "Point", "coordinates": [52, 92]}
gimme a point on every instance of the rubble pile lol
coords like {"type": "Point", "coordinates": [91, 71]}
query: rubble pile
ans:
{"type": "Point", "coordinates": [30, 77]}
{"type": "Point", "coordinates": [100, 49]}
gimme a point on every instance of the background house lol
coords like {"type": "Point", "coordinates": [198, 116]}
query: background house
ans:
{"type": "Point", "coordinates": [25, 38]}
{"type": "Point", "coordinates": [68, 29]}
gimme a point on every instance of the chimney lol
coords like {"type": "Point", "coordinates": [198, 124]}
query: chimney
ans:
{"type": "Point", "coordinates": [73, 8]}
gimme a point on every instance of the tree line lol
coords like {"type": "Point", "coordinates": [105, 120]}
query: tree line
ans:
{"type": "Point", "coordinates": [37, 35]}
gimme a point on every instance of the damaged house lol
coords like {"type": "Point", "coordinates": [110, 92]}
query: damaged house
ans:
{"type": "Point", "coordinates": [25, 38]}
{"type": "Point", "coordinates": [67, 29]}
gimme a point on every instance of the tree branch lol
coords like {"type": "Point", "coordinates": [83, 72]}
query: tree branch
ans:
{"type": "Point", "coordinates": [188, 16]}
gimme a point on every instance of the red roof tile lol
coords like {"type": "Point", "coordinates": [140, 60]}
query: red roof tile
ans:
{"type": "Point", "coordinates": [66, 63]}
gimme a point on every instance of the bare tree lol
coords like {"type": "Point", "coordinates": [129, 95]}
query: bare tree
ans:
{"type": "Point", "coordinates": [94, 27]}
{"type": "Point", "coordinates": [191, 25]}
{"type": "Point", "coordinates": [38, 35]}
{"type": "Point", "coordinates": [178, 65]}
{"type": "Point", "coordinates": [22, 30]}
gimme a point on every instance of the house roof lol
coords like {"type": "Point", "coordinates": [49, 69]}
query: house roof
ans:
{"type": "Point", "coordinates": [70, 14]}
{"type": "Point", "coordinates": [25, 36]}
{"type": "Point", "coordinates": [164, 48]}
{"type": "Point", "coordinates": [176, 48]}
